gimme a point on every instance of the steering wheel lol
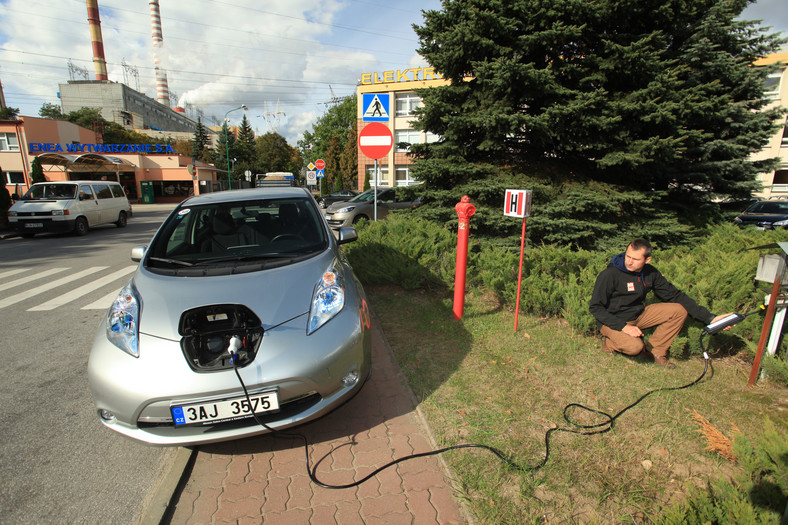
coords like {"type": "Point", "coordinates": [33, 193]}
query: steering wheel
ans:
{"type": "Point", "coordinates": [283, 236]}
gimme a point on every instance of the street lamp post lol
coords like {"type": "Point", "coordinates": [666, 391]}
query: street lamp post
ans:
{"type": "Point", "coordinates": [227, 143]}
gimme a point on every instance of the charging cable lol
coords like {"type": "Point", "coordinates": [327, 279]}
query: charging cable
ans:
{"type": "Point", "coordinates": [574, 427]}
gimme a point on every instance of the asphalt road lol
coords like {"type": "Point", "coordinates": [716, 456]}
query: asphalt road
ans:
{"type": "Point", "coordinates": [58, 464]}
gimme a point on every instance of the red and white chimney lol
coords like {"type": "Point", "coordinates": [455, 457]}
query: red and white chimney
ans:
{"type": "Point", "coordinates": [99, 63]}
{"type": "Point", "coordinates": [162, 90]}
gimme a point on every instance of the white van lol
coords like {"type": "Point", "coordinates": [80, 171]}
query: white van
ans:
{"type": "Point", "coordinates": [69, 206]}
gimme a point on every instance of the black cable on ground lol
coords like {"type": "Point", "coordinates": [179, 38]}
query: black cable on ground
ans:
{"type": "Point", "coordinates": [575, 428]}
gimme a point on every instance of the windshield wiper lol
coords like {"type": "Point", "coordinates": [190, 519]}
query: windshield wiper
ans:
{"type": "Point", "coordinates": [171, 261]}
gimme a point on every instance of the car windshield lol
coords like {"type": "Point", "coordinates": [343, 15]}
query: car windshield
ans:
{"type": "Point", "coordinates": [51, 192]}
{"type": "Point", "coordinates": [253, 232]}
{"type": "Point", "coordinates": [369, 195]}
{"type": "Point", "coordinates": [769, 207]}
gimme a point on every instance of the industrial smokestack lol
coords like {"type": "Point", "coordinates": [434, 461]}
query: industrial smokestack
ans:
{"type": "Point", "coordinates": [162, 90]}
{"type": "Point", "coordinates": [95, 38]}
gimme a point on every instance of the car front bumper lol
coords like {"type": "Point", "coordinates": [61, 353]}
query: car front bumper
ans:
{"type": "Point", "coordinates": [306, 371]}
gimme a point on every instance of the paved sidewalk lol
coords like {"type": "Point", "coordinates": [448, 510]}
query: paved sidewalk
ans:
{"type": "Point", "coordinates": [264, 479]}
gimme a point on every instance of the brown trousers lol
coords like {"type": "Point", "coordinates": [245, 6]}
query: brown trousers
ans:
{"type": "Point", "coordinates": [667, 317]}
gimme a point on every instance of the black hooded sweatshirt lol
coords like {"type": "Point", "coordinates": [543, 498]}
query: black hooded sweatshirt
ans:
{"type": "Point", "coordinates": [619, 295]}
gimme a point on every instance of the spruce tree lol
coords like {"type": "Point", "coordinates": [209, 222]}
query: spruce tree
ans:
{"type": "Point", "coordinates": [653, 96]}
{"type": "Point", "coordinates": [200, 141]}
{"type": "Point", "coordinates": [36, 171]}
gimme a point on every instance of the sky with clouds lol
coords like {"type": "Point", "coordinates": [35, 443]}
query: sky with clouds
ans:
{"type": "Point", "coordinates": [284, 59]}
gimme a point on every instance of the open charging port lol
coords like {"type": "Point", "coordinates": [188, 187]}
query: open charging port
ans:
{"type": "Point", "coordinates": [206, 332]}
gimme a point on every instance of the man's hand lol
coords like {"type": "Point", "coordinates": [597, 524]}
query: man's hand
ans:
{"type": "Point", "coordinates": [632, 330]}
{"type": "Point", "coordinates": [722, 316]}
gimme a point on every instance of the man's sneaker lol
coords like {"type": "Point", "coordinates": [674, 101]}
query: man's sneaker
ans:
{"type": "Point", "coordinates": [663, 361]}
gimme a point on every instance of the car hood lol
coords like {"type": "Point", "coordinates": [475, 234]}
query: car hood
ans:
{"type": "Point", "coordinates": [275, 295]}
{"type": "Point", "coordinates": [41, 205]}
{"type": "Point", "coordinates": [343, 204]}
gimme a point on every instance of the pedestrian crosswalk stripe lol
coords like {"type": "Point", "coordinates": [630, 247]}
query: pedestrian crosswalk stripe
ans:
{"type": "Point", "coordinates": [50, 285]}
{"type": "Point", "coordinates": [34, 276]}
{"type": "Point", "coordinates": [9, 273]}
{"type": "Point", "coordinates": [76, 293]}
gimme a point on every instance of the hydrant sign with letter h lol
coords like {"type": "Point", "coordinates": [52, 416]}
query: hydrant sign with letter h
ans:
{"type": "Point", "coordinates": [517, 203]}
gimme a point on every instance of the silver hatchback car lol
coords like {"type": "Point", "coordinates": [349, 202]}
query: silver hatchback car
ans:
{"type": "Point", "coordinates": [251, 280]}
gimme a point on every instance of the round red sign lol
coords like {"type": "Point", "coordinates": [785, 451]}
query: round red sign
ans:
{"type": "Point", "coordinates": [320, 164]}
{"type": "Point", "coordinates": [375, 140]}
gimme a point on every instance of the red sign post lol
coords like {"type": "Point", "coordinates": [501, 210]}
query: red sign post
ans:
{"type": "Point", "coordinates": [517, 203]}
{"type": "Point", "coordinates": [464, 210]}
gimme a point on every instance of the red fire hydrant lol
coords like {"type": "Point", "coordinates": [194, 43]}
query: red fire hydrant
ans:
{"type": "Point", "coordinates": [464, 210]}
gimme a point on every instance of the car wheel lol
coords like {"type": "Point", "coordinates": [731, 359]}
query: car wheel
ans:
{"type": "Point", "coordinates": [28, 235]}
{"type": "Point", "coordinates": [81, 226]}
{"type": "Point", "coordinates": [122, 220]}
{"type": "Point", "coordinates": [322, 204]}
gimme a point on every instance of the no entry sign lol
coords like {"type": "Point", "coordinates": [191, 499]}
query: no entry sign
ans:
{"type": "Point", "coordinates": [375, 140]}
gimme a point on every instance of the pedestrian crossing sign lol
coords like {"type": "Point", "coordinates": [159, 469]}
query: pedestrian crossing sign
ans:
{"type": "Point", "coordinates": [375, 107]}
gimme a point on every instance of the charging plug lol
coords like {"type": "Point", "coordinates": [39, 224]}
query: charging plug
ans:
{"type": "Point", "coordinates": [232, 349]}
{"type": "Point", "coordinates": [723, 323]}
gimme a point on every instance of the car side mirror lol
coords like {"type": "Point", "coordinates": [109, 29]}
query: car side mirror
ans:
{"type": "Point", "coordinates": [346, 235]}
{"type": "Point", "coordinates": [138, 252]}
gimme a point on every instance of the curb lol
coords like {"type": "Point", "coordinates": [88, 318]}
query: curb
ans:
{"type": "Point", "coordinates": [158, 502]}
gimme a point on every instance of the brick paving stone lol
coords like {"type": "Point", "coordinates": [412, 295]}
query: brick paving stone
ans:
{"type": "Point", "coordinates": [323, 514]}
{"type": "Point", "coordinates": [424, 480]}
{"type": "Point", "coordinates": [245, 490]}
{"type": "Point", "coordinates": [276, 495]}
{"type": "Point", "coordinates": [237, 470]}
{"type": "Point", "coordinates": [232, 510]}
{"type": "Point", "coordinates": [291, 517]}
{"type": "Point", "coordinates": [421, 508]}
{"type": "Point", "coordinates": [206, 505]}
{"type": "Point", "coordinates": [300, 490]}
{"type": "Point", "coordinates": [384, 505]}
{"type": "Point", "coordinates": [445, 504]}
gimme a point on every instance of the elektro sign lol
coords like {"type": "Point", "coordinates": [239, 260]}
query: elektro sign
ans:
{"type": "Point", "coordinates": [39, 147]}
{"type": "Point", "coordinates": [400, 75]}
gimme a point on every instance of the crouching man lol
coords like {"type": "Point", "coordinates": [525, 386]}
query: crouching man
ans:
{"type": "Point", "coordinates": [618, 304]}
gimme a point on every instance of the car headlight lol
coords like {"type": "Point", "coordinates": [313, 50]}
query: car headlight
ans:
{"type": "Point", "coordinates": [738, 219]}
{"type": "Point", "coordinates": [11, 213]}
{"type": "Point", "coordinates": [328, 299]}
{"type": "Point", "coordinates": [123, 321]}
{"type": "Point", "coordinates": [346, 209]}
{"type": "Point", "coordinates": [57, 212]}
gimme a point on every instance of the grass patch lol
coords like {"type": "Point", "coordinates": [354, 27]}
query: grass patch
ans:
{"type": "Point", "coordinates": [479, 381]}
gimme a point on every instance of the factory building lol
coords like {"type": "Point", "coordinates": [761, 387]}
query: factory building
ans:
{"type": "Point", "coordinates": [121, 104]}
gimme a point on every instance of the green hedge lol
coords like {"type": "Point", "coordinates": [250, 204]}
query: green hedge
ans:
{"type": "Point", "coordinates": [718, 271]}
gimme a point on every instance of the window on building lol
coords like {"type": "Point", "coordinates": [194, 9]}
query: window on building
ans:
{"type": "Point", "coordinates": [785, 136]}
{"type": "Point", "coordinates": [8, 142]}
{"type": "Point", "coordinates": [383, 175]}
{"type": "Point", "coordinates": [408, 136]}
{"type": "Point", "coordinates": [780, 177]}
{"type": "Point", "coordinates": [432, 137]}
{"type": "Point", "coordinates": [406, 103]}
{"type": "Point", "coordinates": [14, 177]}
{"type": "Point", "coordinates": [402, 176]}
{"type": "Point", "coordinates": [771, 86]}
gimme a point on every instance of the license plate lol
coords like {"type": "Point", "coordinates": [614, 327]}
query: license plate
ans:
{"type": "Point", "coordinates": [34, 225]}
{"type": "Point", "coordinates": [224, 410]}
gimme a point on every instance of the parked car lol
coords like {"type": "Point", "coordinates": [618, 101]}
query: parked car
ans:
{"type": "Point", "coordinates": [337, 196]}
{"type": "Point", "coordinates": [766, 215]}
{"type": "Point", "coordinates": [362, 206]}
{"type": "Point", "coordinates": [253, 271]}
{"type": "Point", "coordinates": [69, 206]}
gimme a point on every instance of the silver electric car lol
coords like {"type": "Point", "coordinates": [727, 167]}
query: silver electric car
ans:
{"type": "Point", "coordinates": [247, 280]}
